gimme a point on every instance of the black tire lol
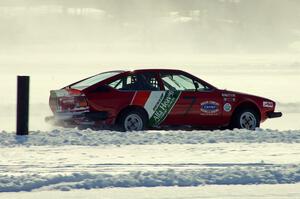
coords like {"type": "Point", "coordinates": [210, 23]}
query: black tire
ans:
{"type": "Point", "coordinates": [245, 119]}
{"type": "Point", "coordinates": [133, 120]}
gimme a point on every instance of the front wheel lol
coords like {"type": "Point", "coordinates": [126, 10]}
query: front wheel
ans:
{"type": "Point", "coordinates": [246, 119]}
{"type": "Point", "coordinates": [133, 121]}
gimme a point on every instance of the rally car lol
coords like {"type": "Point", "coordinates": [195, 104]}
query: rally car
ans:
{"type": "Point", "coordinates": [156, 98]}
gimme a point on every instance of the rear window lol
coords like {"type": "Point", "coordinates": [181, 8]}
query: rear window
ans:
{"type": "Point", "coordinates": [94, 80]}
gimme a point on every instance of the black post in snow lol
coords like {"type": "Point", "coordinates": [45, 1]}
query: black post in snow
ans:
{"type": "Point", "coordinates": [22, 105]}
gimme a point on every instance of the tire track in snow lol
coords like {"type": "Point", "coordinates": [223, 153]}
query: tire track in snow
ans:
{"type": "Point", "coordinates": [275, 174]}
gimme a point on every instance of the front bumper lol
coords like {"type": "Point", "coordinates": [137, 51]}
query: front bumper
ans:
{"type": "Point", "coordinates": [274, 114]}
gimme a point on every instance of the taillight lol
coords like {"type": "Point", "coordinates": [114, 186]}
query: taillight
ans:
{"type": "Point", "coordinates": [80, 102]}
{"type": "Point", "coordinates": [68, 100]}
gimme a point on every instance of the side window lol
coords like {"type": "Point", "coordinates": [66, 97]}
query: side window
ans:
{"type": "Point", "coordinates": [124, 83]}
{"type": "Point", "coordinates": [118, 84]}
{"type": "Point", "coordinates": [180, 82]}
{"type": "Point", "coordinates": [136, 82]}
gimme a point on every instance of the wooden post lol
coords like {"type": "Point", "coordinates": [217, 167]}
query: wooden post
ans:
{"type": "Point", "coordinates": [22, 105]}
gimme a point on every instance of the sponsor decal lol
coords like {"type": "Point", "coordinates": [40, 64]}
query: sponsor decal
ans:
{"type": "Point", "coordinates": [163, 107]}
{"type": "Point", "coordinates": [227, 107]}
{"type": "Point", "coordinates": [229, 99]}
{"type": "Point", "coordinates": [228, 95]}
{"type": "Point", "coordinates": [268, 104]}
{"type": "Point", "coordinates": [209, 107]}
{"type": "Point", "coordinates": [158, 104]}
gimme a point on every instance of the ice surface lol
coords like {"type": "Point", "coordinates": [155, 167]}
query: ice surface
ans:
{"type": "Point", "coordinates": [53, 166]}
{"type": "Point", "coordinates": [49, 160]}
{"type": "Point", "coordinates": [282, 191]}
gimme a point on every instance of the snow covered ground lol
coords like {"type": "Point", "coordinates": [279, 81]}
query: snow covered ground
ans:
{"type": "Point", "coordinates": [88, 137]}
{"type": "Point", "coordinates": [84, 159]}
{"type": "Point", "coordinates": [284, 191]}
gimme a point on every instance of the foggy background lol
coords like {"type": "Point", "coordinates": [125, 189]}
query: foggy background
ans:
{"type": "Point", "coordinates": [151, 26]}
{"type": "Point", "coordinates": [245, 45]}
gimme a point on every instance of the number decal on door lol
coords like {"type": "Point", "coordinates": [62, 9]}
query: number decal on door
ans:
{"type": "Point", "coordinates": [193, 101]}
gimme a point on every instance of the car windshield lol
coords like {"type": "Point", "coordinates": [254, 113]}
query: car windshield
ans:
{"type": "Point", "coordinates": [94, 80]}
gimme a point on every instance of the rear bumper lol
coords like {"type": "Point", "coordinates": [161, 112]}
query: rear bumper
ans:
{"type": "Point", "coordinates": [95, 116]}
{"type": "Point", "coordinates": [79, 117]}
{"type": "Point", "coordinates": [274, 114]}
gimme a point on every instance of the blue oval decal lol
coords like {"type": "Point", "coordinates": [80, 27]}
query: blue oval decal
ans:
{"type": "Point", "coordinates": [209, 107]}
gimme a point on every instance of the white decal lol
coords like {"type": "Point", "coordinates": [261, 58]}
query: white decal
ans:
{"type": "Point", "coordinates": [268, 104]}
{"type": "Point", "coordinates": [153, 100]}
{"type": "Point", "coordinates": [228, 95]}
{"type": "Point", "coordinates": [229, 99]}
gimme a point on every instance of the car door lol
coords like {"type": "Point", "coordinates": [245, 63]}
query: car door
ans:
{"type": "Point", "coordinates": [197, 104]}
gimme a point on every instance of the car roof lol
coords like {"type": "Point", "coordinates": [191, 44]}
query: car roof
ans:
{"type": "Point", "coordinates": [156, 70]}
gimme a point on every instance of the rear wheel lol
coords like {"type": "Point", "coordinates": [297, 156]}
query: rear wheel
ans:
{"type": "Point", "coordinates": [134, 120]}
{"type": "Point", "coordinates": [246, 119]}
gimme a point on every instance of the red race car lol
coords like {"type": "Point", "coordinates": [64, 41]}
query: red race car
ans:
{"type": "Point", "coordinates": [156, 98]}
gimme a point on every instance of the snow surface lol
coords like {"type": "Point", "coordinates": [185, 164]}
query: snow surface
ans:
{"type": "Point", "coordinates": [283, 191]}
{"type": "Point", "coordinates": [69, 159]}
{"type": "Point", "coordinates": [62, 137]}
{"type": "Point", "coordinates": [232, 175]}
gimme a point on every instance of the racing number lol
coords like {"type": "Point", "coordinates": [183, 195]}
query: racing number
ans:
{"type": "Point", "coordinates": [193, 101]}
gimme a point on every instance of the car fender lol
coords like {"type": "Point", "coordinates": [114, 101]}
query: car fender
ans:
{"type": "Point", "coordinates": [247, 102]}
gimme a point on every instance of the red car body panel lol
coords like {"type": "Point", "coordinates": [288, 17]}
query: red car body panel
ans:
{"type": "Point", "coordinates": [209, 107]}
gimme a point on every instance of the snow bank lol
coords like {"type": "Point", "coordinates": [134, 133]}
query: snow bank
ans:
{"type": "Point", "coordinates": [60, 137]}
{"type": "Point", "coordinates": [264, 174]}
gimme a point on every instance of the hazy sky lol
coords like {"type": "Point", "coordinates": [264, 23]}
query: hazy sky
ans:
{"type": "Point", "coordinates": [150, 26]}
